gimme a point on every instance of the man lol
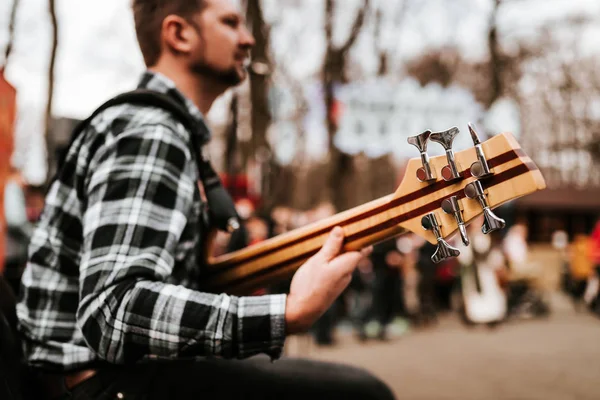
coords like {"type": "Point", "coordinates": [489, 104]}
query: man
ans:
{"type": "Point", "coordinates": [385, 288]}
{"type": "Point", "coordinates": [109, 299]}
{"type": "Point", "coordinates": [426, 286]}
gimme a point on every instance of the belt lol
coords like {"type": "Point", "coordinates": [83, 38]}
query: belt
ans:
{"type": "Point", "coordinates": [56, 386]}
{"type": "Point", "coordinates": [76, 378]}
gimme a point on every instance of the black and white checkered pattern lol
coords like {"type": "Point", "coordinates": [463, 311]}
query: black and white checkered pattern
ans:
{"type": "Point", "coordinates": [114, 263]}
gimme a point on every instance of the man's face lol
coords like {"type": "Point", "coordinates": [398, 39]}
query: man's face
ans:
{"type": "Point", "coordinates": [224, 43]}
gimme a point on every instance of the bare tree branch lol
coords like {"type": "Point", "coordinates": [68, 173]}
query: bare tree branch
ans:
{"type": "Point", "coordinates": [261, 69]}
{"type": "Point", "coordinates": [51, 67]}
{"type": "Point", "coordinates": [495, 56]}
{"type": "Point", "coordinates": [329, 4]}
{"type": "Point", "coordinates": [11, 33]}
{"type": "Point", "coordinates": [356, 27]}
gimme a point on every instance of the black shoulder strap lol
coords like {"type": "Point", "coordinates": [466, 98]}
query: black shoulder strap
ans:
{"type": "Point", "coordinates": [221, 208]}
{"type": "Point", "coordinates": [143, 97]}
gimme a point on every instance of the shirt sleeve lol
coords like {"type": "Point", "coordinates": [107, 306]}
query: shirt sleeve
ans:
{"type": "Point", "coordinates": [139, 194]}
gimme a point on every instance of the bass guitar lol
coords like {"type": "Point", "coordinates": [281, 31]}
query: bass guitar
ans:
{"type": "Point", "coordinates": [437, 198]}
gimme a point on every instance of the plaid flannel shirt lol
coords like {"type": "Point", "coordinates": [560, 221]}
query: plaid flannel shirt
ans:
{"type": "Point", "coordinates": [114, 262]}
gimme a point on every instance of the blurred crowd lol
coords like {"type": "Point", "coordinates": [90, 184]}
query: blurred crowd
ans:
{"type": "Point", "coordinates": [581, 267]}
{"type": "Point", "coordinates": [492, 281]}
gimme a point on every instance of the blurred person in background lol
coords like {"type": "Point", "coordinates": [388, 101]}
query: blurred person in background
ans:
{"type": "Point", "coordinates": [592, 292]}
{"type": "Point", "coordinates": [483, 271]}
{"type": "Point", "coordinates": [258, 229]}
{"type": "Point", "coordinates": [18, 229]}
{"type": "Point", "coordinates": [281, 220]}
{"type": "Point", "coordinates": [426, 287]}
{"type": "Point", "coordinates": [525, 298]}
{"type": "Point", "coordinates": [359, 297]}
{"type": "Point", "coordinates": [408, 246]}
{"type": "Point", "coordinates": [121, 239]}
{"type": "Point", "coordinates": [447, 278]}
{"type": "Point", "coordinates": [387, 262]}
{"type": "Point", "coordinates": [325, 326]}
{"type": "Point", "coordinates": [578, 267]}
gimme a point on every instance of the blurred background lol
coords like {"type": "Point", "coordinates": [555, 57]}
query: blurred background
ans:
{"type": "Point", "coordinates": [335, 88]}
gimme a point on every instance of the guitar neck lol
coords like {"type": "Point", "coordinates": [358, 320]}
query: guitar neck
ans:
{"type": "Point", "coordinates": [278, 258]}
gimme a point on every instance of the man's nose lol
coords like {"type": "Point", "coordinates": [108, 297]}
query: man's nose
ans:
{"type": "Point", "coordinates": [247, 40]}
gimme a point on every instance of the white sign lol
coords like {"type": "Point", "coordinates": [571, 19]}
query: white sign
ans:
{"type": "Point", "coordinates": [377, 117]}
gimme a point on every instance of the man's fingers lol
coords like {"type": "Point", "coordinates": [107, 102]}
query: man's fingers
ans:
{"type": "Point", "coordinates": [333, 244]}
{"type": "Point", "coordinates": [366, 252]}
{"type": "Point", "coordinates": [347, 262]}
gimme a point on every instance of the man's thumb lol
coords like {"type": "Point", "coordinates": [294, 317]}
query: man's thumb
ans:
{"type": "Point", "coordinates": [333, 244]}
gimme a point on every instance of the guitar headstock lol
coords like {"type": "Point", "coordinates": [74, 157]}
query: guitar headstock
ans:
{"type": "Point", "coordinates": [437, 198]}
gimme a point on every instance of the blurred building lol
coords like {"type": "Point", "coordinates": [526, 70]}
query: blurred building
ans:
{"type": "Point", "coordinates": [559, 124]}
{"type": "Point", "coordinates": [560, 133]}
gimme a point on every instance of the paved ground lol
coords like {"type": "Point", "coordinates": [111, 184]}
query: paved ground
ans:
{"type": "Point", "coordinates": [553, 359]}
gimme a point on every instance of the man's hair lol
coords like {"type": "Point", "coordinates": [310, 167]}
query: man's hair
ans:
{"type": "Point", "coordinates": [149, 15]}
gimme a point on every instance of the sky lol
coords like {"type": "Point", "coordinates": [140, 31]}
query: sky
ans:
{"type": "Point", "coordinates": [98, 55]}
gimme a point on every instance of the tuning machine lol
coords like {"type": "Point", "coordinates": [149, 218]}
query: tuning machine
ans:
{"type": "Point", "coordinates": [444, 250]}
{"type": "Point", "coordinates": [452, 206]}
{"type": "Point", "coordinates": [480, 168]}
{"type": "Point", "coordinates": [474, 190]}
{"type": "Point", "coordinates": [450, 172]}
{"type": "Point", "coordinates": [424, 174]}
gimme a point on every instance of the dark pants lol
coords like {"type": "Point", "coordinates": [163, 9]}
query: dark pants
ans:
{"type": "Point", "coordinates": [323, 328]}
{"type": "Point", "coordinates": [426, 288]}
{"type": "Point", "coordinates": [256, 378]}
{"type": "Point", "coordinates": [385, 294]}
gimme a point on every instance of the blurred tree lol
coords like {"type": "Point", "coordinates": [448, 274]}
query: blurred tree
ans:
{"type": "Point", "coordinates": [231, 159]}
{"type": "Point", "coordinates": [260, 71]}
{"type": "Point", "coordinates": [259, 151]}
{"type": "Point", "coordinates": [496, 86]}
{"type": "Point", "coordinates": [438, 66]}
{"type": "Point", "coordinates": [334, 71]}
{"type": "Point", "coordinates": [564, 82]}
{"type": "Point", "coordinates": [51, 67]}
{"type": "Point", "coordinates": [381, 172]}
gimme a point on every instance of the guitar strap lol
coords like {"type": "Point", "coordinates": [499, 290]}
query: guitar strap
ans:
{"type": "Point", "coordinates": [221, 211]}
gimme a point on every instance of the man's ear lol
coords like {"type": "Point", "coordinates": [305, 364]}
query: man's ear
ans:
{"type": "Point", "coordinates": [177, 34]}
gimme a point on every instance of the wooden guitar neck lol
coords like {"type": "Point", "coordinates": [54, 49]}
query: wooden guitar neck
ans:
{"type": "Point", "coordinates": [513, 174]}
{"type": "Point", "coordinates": [278, 258]}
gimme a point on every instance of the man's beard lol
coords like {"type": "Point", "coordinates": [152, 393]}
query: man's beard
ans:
{"type": "Point", "coordinates": [229, 77]}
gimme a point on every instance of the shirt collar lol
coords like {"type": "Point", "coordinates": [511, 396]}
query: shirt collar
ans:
{"type": "Point", "coordinates": [158, 82]}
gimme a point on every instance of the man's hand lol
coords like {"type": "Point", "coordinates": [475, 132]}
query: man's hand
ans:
{"type": "Point", "coordinates": [319, 281]}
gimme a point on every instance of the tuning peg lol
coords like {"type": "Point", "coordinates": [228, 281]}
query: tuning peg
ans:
{"type": "Point", "coordinates": [452, 206]}
{"type": "Point", "coordinates": [491, 223]}
{"type": "Point", "coordinates": [446, 138]}
{"type": "Point", "coordinates": [480, 168]}
{"type": "Point", "coordinates": [424, 174]}
{"type": "Point", "coordinates": [444, 250]}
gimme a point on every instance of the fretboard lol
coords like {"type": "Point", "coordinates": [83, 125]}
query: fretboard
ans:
{"type": "Point", "coordinates": [278, 258]}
